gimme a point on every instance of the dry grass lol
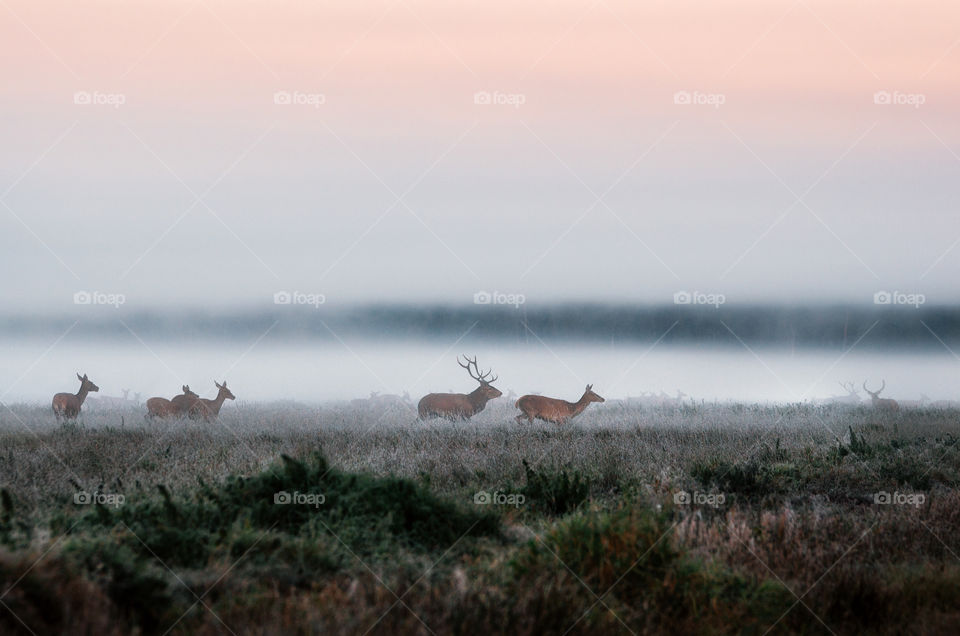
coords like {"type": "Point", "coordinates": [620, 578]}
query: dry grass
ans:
{"type": "Point", "coordinates": [798, 519]}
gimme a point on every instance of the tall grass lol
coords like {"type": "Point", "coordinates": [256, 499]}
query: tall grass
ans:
{"type": "Point", "coordinates": [602, 538]}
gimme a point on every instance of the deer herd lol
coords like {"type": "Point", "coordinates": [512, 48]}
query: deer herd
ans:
{"type": "Point", "coordinates": [451, 406]}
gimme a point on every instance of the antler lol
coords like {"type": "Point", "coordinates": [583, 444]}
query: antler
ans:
{"type": "Point", "coordinates": [479, 377]}
{"type": "Point", "coordinates": [883, 385]}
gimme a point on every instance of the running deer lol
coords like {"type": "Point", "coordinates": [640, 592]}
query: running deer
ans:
{"type": "Point", "coordinates": [67, 405]}
{"type": "Point", "coordinates": [162, 407]}
{"type": "Point", "coordinates": [461, 406]}
{"type": "Point", "coordinates": [552, 409]}
{"type": "Point", "coordinates": [209, 409]}
{"type": "Point", "coordinates": [884, 404]}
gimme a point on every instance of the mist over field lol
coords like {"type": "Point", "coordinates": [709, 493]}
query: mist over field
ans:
{"type": "Point", "coordinates": [758, 353]}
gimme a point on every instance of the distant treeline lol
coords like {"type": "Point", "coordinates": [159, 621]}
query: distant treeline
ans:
{"type": "Point", "coordinates": [831, 327]}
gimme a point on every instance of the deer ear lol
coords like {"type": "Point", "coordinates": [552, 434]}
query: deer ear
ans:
{"type": "Point", "coordinates": [79, 377]}
{"type": "Point", "coordinates": [589, 387]}
{"type": "Point", "coordinates": [217, 384]}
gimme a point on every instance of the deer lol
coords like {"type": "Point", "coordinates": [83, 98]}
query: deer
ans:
{"type": "Point", "coordinates": [185, 400]}
{"type": "Point", "coordinates": [179, 405]}
{"type": "Point", "coordinates": [852, 397]}
{"type": "Point", "coordinates": [67, 405]}
{"type": "Point", "coordinates": [554, 410]}
{"type": "Point", "coordinates": [210, 409]}
{"type": "Point", "coordinates": [110, 401]}
{"type": "Point", "coordinates": [461, 406]}
{"type": "Point", "coordinates": [667, 400]}
{"type": "Point", "coordinates": [884, 404]}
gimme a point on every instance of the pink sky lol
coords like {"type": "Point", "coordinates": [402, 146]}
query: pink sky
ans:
{"type": "Point", "coordinates": [398, 80]}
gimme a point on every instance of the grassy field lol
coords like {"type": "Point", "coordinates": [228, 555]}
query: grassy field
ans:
{"type": "Point", "coordinates": [287, 518]}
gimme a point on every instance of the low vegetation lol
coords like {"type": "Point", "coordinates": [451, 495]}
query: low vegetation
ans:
{"type": "Point", "coordinates": [286, 518]}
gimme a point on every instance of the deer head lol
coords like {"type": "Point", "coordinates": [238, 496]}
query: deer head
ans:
{"type": "Point", "coordinates": [86, 384]}
{"type": "Point", "coordinates": [224, 391]}
{"type": "Point", "coordinates": [590, 396]}
{"type": "Point", "coordinates": [186, 390]}
{"type": "Point", "coordinates": [875, 395]}
{"type": "Point", "coordinates": [485, 389]}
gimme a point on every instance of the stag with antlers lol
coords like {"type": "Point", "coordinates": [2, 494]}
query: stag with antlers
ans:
{"type": "Point", "coordinates": [67, 405]}
{"type": "Point", "coordinates": [851, 398]}
{"type": "Point", "coordinates": [461, 406]}
{"type": "Point", "coordinates": [883, 404]}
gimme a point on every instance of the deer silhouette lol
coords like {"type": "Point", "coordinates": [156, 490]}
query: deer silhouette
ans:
{"type": "Point", "coordinates": [67, 405]}
{"type": "Point", "coordinates": [461, 406]}
{"type": "Point", "coordinates": [554, 410]}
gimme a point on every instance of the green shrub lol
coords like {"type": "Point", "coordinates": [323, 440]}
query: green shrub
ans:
{"type": "Point", "coordinates": [554, 492]}
{"type": "Point", "coordinates": [371, 515]}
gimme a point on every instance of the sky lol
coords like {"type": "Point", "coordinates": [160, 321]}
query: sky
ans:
{"type": "Point", "coordinates": [213, 154]}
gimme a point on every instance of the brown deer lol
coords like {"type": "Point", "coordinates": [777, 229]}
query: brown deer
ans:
{"type": "Point", "coordinates": [461, 406]}
{"type": "Point", "coordinates": [185, 400]}
{"type": "Point", "coordinates": [67, 405]}
{"type": "Point", "coordinates": [884, 404]}
{"type": "Point", "coordinates": [552, 409]}
{"type": "Point", "coordinates": [209, 409]}
{"type": "Point", "coordinates": [180, 405]}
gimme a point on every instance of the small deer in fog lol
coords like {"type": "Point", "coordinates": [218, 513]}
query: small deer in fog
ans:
{"type": "Point", "coordinates": [883, 404]}
{"type": "Point", "coordinates": [552, 409]}
{"type": "Point", "coordinates": [461, 406]}
{"type": "Point", "coordinates": [67, 405]}
{"type": "Point", "coordinates": [209, 409]}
